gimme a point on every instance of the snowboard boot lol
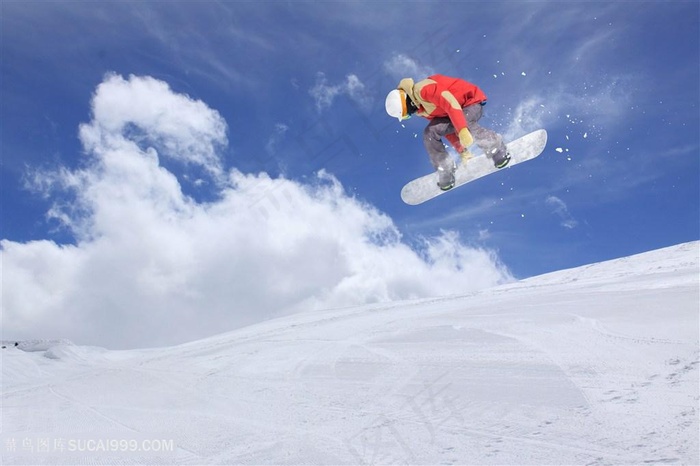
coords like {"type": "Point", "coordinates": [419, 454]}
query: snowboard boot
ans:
{"type": "Point", "coordinates": [500, 158]}
{"type": "Point", "coordinates": [446, 174]}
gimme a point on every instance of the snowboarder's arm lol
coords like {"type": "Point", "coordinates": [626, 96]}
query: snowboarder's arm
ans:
{"type": "Point", "coordinates": [447, 102]}
{"type": "Point", "coordinates": [451, 106]}
{"type": "Point", "coordinates": [462, 141]}
{"type": "Point", "coordinates": [454, 140]}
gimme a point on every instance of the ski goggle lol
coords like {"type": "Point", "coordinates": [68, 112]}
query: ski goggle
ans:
{"type": "Point", "coordinates": [404, 110]}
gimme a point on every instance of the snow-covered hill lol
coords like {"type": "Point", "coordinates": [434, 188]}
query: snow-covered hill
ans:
{"type": "Point", "coordinates": [594, 365]}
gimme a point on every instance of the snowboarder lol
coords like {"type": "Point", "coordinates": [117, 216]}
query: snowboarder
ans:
{"type": "Point", "coordinates": [454, 107]}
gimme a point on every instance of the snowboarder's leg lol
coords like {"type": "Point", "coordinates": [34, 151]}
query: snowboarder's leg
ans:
{"type": "Point", "coordinates": [446, 175]}
{"type": "Point", "coordinates": [488, 140]}
{"type": "Point", "coordinates": [432, 139]}
{"type": "Point", "coordinates": [441, 160]}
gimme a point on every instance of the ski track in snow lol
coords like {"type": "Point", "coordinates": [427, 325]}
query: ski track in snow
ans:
{"type": "Point", "coordinates": [594, 365]}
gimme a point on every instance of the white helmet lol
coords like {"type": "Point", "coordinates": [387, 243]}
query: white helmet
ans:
{"type": "Point", "coordinates": [395, 104]}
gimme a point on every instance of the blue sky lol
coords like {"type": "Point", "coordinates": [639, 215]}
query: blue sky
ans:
{"type": "Point", "coordinates": [264, 121]}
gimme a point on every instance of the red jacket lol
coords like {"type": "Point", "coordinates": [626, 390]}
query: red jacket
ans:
{"type": "Point", "coordinates": [443, 96]}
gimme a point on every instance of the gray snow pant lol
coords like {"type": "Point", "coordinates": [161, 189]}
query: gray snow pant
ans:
{"type": "Point", "coordinates": [488, 140]}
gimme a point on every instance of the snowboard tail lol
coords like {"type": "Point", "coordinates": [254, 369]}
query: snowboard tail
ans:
{"type": "Point", "coordinates": [521, 150]}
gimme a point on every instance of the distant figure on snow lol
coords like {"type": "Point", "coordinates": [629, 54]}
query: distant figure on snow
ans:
{"type": "Point", "coordinates": [454, 107]}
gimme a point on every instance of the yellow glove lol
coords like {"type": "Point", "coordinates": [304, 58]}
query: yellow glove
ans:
{"type": "Point", "coordinates": [465, 156]}
{"type": "Point", "coordinates": [465, 138]}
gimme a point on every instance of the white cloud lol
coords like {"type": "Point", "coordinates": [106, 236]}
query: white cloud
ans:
{"type": "Point", "coordinates": [277, 136]}
{"type": "Point", "coordinates": [152, 266]}
{"type": "Point", "coordinates": [560, 209]}
{"type": "Point", "coordinates": [145, 111]}
{"type": "Point", "coordinates": [484, 234]}
{"type": "Point", "coordinates": [325, 94]}
{"type": "Point", "coordinates": [402, 66]}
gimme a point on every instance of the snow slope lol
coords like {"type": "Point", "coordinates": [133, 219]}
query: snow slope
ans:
{"type": "Point", "coordinates": [594, 365]}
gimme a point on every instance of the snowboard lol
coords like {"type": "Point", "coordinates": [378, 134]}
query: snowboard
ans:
{"type": "Point", "coordinates": [521, 150]}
